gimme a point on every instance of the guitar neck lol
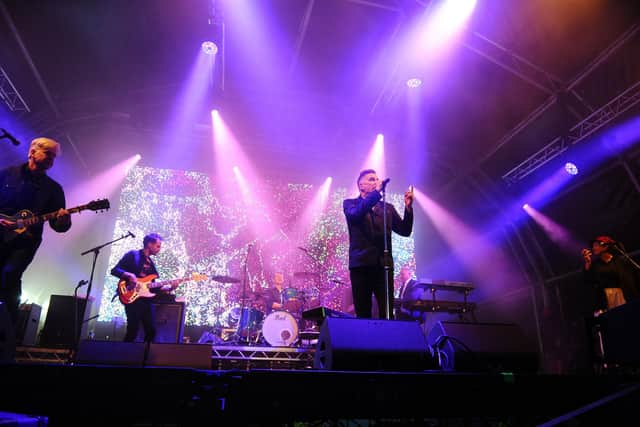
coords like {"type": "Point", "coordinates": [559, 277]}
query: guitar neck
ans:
{"type": "Point", "coordinates": [174, 282]}
{"type": "Point", "coordinates": [51, 215]}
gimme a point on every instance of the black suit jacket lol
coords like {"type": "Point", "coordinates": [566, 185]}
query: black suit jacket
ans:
{"type": "Point", "coordinates": [132, 262]}
{"type": "Point", "coordinates": [365, 222]}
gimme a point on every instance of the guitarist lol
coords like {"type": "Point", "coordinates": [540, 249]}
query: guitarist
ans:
{"type": "Point", "coordinates": [133, 265]}
{"type": "Point", "coordinates": [27, 186]}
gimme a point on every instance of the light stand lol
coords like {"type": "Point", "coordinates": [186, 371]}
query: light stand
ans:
{"type": "Point", "coordinates": [95, 251]}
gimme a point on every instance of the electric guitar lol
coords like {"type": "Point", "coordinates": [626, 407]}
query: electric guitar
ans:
{"type": "Point", "coordinates": [25, 218]}
{"type": "Point", "coordinates": [144, 286]}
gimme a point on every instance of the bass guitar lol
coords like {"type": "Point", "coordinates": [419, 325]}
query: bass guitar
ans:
{"type": "Point", "coordinates": [20, 222]}
{"type": "Point", "coordinates": [145, 285]}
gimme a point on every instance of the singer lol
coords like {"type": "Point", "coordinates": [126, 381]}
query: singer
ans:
{"type": "Point", "coordinates": [27, 186]}
{"type": "Point", "coordinates": [611, 281]}
{"type": "Point", "coordinates": [610, 276]}
{"type": "Point", "coordinates": [365, 223]}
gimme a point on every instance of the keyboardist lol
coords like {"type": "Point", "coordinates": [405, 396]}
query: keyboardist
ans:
{"type": "Point", "coordinates": [407, 291]}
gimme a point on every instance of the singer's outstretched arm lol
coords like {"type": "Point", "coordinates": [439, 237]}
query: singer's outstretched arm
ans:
{"type": "Point", "coordinates": [356, 209]}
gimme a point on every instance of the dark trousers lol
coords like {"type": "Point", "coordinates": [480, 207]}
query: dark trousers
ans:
{"type": "Point", "coordinates": [15, 257]}
{"type": "Point", "coordinates": [368, 280]}
{"type": "Point", "coordinates": [140, 311]}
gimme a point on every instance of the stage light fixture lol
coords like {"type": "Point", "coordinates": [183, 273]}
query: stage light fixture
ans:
{"type": "Point", "coordinates": [571, 168]}
{"type": "Point", "coordinates": [414, 83]}
{"type": "Point", "coordinates": [209, 47]}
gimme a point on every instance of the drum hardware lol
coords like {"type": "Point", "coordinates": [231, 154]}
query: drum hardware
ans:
{"type": "Point", "coordinates": [291, 300]}
{"type": "Point", "coordinates": [306, 275]}
{"type": "Point", "coordinates": [225, 279]}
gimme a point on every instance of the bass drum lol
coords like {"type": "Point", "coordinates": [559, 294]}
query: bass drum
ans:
{"type": "Point", "coordinates": [280, 329]}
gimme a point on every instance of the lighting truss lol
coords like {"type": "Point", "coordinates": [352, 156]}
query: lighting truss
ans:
{"type": "Point", "coordinates": [514, 63]}
{"type": "Point", "coordinates": [9, 94]}
{"type": "Point", "coordinates": [587, 127]}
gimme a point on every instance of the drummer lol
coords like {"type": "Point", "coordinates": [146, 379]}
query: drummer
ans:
{"type": "Point", "coordinates": [273, 296]}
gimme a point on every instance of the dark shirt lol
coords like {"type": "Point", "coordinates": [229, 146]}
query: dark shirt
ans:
{"type": "Point", "coordinates": [134, 262]}
{"type": "Point", "coordinates": [365, 222]}
{"type": "Point", "coordinates": [272, 295]}
{"type": "Point", "coordinates": [22, 189]}
{"type": "Point", "coordinates": [618, 273]}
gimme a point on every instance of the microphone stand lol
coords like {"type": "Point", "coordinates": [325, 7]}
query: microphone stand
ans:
{"type": "Point", "coordinates": [244, 298]}
{"type": "Point", "coordinates": [386, 255]}
{"type": "Point", "coordinates": [95, 251]}
{"type": "Point", "coordinates": [626, 255]}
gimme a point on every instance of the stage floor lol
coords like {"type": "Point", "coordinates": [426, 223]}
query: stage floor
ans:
{"type": "Point", "coordinates": [119, 395]}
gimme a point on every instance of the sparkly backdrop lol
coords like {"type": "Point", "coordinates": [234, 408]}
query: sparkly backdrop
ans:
{"type": "Point", "coordinates": [218, 234]}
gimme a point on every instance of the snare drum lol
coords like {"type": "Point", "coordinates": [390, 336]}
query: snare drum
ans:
{"type": "Point", "coordinates": [280, 329]}
{"type": "Point", "coordinates": [292, 300]}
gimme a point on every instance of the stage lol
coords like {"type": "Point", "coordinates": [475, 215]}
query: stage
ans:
{"type": "Point", "coordinates": [67, 392]}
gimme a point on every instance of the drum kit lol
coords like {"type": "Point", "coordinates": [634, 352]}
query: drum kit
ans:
{"type": "Point", "coordinates": [248, 323]}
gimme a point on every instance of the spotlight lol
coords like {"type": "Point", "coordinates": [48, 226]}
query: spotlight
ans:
{"type": "Point", "coordinates": [209, 47]}
{"type": "Point", "coordinates": [571, 168]}
{"type": "Point", "coordinates": [215, 113]}
{"type": "Point", "coordinates": [414, 82]}
{"type": "Point", "coordinates": [525, 206]}
{"type": "Point", "coordinates": [138, 156]}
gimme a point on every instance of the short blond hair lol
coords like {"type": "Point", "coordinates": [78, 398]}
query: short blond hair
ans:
{"type": "Point", "coordinates": [46, 144]}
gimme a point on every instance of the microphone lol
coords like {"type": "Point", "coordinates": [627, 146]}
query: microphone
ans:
{"type": "Point", "coordinates": [82, 283]}
{"type": "Point", "coordinates": [384, 184]}
{"type": "Point", "coordinates": [130, 234]}
{"type": "Point", "coordinates": [10, 137]}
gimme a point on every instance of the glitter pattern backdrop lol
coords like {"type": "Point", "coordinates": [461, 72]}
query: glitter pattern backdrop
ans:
{"type": "Point", "coordinates": [209, 233]}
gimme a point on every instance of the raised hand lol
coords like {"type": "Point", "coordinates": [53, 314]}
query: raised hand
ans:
{"type": "Point", "coordinates": [586, 255]}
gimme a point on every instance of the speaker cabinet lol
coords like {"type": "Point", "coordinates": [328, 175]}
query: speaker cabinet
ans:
{"type": "Point", "coordinates": [7, 336]}
{"type": "Point", "coordinates": [371, 344]}
{"type": "Point", "coordinates": [59, 324]}
{"type": "Point", "coordinates": [180, 355]}
{"type": "Point", "coordinates": [482, 347]}
{"type": "Point", "coordinates": [618, 327]}
{"type": "Point", "coordinates": [96, 352]}
{"type": "Point", "coordinates": [27, 326]}
{"type": "Point", "coordinates": [169, 323]}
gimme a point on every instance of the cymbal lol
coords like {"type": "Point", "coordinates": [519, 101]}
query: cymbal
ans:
{"type": "Point", "coordinates": [305, 274]}
{"type": "Point", "coordinates": [225, 279]}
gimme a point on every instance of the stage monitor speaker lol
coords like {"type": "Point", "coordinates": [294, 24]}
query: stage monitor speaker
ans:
{"type": "Point", "coordinates": [169, 323]}
{"type": "Point", "coordinates": [196, 356]}
{"type": "Point", "coordinates": [370, 345]}
{"type": "Point", "coordinates": [94, 352]}
{"type": "Point", "coordinates": [58, 330]}
{"type": "Point", "coordinates": [481, 347]}
{"type": "Point", "coordinates": [7, 336]}
{"type": "Point", "coordinates": [619, 331]}
{"type": "Point", "coordinates": [27, 325]}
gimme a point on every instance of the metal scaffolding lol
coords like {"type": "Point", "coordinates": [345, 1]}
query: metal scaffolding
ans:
{"type": "Point", "coordinates": [587, 127]}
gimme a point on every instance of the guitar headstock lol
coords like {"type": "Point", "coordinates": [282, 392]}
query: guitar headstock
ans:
{"type": "Point", "coordinates": [99, 205]}
{"type": "Point", "coordinates": [197, 277]}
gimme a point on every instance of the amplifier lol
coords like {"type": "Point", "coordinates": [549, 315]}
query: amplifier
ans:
{"type": "Point", "coordinates": [27, 325]}
{"type": "Point", "coordinates": [169, 323]}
